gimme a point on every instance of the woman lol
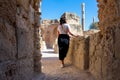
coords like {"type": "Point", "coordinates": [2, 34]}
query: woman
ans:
{"type": "Point", "coordinates": [63, 39]}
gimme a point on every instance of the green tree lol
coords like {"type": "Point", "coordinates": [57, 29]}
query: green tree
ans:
{"type": "Point", "coordinates": [94, 25]}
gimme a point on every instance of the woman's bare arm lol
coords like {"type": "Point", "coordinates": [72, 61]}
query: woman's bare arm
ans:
{"type": "Point", "coordinates": [71, 33]}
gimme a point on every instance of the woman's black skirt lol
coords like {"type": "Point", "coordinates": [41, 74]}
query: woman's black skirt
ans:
{"type": "Point", "coordinates": [63, 44]}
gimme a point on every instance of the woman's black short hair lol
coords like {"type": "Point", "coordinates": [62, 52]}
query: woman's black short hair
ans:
{"type": "Point", "coordinates": [62, 20]}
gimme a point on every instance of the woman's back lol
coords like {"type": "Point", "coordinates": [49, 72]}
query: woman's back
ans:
{"type": "Point", "coordinates": [63, 29]}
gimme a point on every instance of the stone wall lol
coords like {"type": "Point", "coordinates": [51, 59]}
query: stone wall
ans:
{"type": "Point", "coordinates": [18, 22]}
{"type": "Point", "coordinates": [49, 32]}
{"type": "Point", "coordinates": [71, 18]}
{"type": "Point", "coordinates": [97, 53]}
{"type": "Point", "coordinates": [104, 55]}
{"type": "Point", "coordinates": [74, 21]}
{"type": "Point", "coordinates": [103, 46]}
{"type": "Point", "coordinates": [49, 28]}
{"type": "Point", "coordinates": [104, 52]}
{"type": "Point", "coordinates": [78, 53]}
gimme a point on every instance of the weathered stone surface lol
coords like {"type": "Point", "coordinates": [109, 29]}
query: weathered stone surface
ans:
{"type": "Point", "coordinates": [81, 56]}
{"type": "Point", "coordinates": [108, 14]}
{"type": "Point", "coordinates": [8, 10]}
{"type": "Point", "coordinates": [37, 19]}
{"type": "Point", "coordinates": [71, 18]}
{"type": "Point", "coordinates": [8, 49]}
{"type": "Point", "coordinates": [49, 32]}
{"type": "Point", "coordinates": [78, 53]}
{"type": "Point", "coordinates": [76, 29]}
{"type": "Point", "coordinates": [103, 60]}
{"type": "Point", "coordinates": [103, 54]}
{"type": "Point", "coordinates": [117, 42]}
{"type": "Point", "coordinates": [8, 70]}
{"type": "Point", "coordinates": [95, 51]}
{"type": "Point", "coordinates": [55, 46]}
{"type": "Point", "coordinates": [19, 43]}
{"type": "Point", "coordinates": [90, 32]}
{"type": "Point", "coordinates": [25, 69]}
{"type": "Point", "coordinates": [23, 3]}
{"type": "Point", "coordinates": [31, 14]}
{"type": "Point", "coordinates": [25, 38]}
{"type": "Point", "coordinates": [74, 22]}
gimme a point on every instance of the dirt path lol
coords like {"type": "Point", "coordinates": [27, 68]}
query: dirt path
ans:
{"type": "Point", "coordinates": [51, 69]}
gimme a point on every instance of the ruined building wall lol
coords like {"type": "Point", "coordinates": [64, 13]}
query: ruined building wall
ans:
{"type": "Point", "coordinates": [49, 28]}
{"type": "Point", "coordinates": [49, 32]}
{"type": "Point", "coordinates": [74, 21]}
{"type": "Point", "coordinates": [102, 47]}
{"type": "Point", "coordinates": [104, 52]}
{"type": "Point", "coordinates": [78, 53]}
{"type": "Point", "coordinates": [18, 21]}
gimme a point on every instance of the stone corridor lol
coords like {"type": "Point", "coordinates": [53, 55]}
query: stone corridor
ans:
{"type": "Point", "coordinates": [51, 69]}
{"type": "Point", "coordinates": [20, 56]}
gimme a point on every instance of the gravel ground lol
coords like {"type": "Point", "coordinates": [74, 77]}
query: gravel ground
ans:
{"type": "Point", "coordinates": [51, 69]}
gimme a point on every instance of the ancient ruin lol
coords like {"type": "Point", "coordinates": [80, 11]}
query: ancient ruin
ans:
{"type": "Point", "coordinates": [19, 39]}
{"type": "Point", "coordinates": [74, 21]}
{"type": "Point", "coordinates": [49, 28]}
{"type": "Point", "coordinates": [20, 56]}
{"type": "Point", "coordinates": [100, 48]}
{"type": "Point", "coordinates": [49, 32]}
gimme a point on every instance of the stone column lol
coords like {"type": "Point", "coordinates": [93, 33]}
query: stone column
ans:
{"type": "Point", "coordinates": [83, 16]}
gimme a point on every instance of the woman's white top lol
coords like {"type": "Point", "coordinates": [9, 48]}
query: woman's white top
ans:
{"type": "Point", "coordinates": [64, 29]}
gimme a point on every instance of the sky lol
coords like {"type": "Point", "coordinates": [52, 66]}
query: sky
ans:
{"type": "Point", "coordinates": [53, 9]}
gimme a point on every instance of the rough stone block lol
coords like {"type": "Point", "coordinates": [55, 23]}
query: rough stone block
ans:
{"type": "Point", "coordinates": [83, 53]}
{"type": "Point", "coordinates": [117, 43]}
{"type": "Point", "coordinates": [80, 53]}
{"type": "Point", "coordinates": [31, 15]}
{"type": "Point", "coordinates": [8, 70]}
{"type": "Point", "coordinates": [25, 69]}
{"type": "Point", "coordinates": [8, 10]}
{"type": "Point", "coordinates": [37, 19]}
{"type": "Point", "coordinates": [7, 42]}
{"type": "Point", "coordinates": [25, 39]}
{"type": "Point", "coordinates": [24, 3]}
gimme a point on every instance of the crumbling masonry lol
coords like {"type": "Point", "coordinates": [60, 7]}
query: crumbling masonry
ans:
{"type": "Point", "coordinates": [20, 49]}
{"type": "Point", "coordinates": [99, 52]}
{"type": "Point", "coordinates": [19, 39]}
